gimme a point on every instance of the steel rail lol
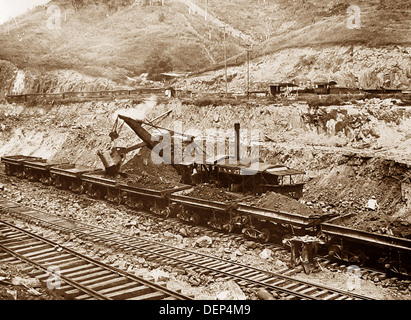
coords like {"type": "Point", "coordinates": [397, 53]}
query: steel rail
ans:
{"type": "Point", "coordinates": [155, 249]}
{"type": "Point", "coordinates": [84, 258]}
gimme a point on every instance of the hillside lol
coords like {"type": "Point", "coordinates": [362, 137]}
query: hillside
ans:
{"type": "Point", "coordinates": [114, 38]}
{"type": "Point", "coordinates": [355, 66]}
{"type": "Point", "coordinates": [110, 43]}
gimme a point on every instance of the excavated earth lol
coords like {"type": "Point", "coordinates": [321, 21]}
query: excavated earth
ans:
{"type": "Point", "coordinates": [349, 153]}
{"type": "Point", "coordinates": [142, 162]}
{"type": "Point", "coordinates": [111, 217]}
{"type": "Point", "coordinates": [279, 202]}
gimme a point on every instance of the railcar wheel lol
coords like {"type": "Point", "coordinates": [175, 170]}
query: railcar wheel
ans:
{"type": "Point", "coordinates": [7, 170]}
{"type": "Point", "coordinates": [249, 233]}
{"type": "Point", "coordinates": [155, 209]}
{"type": "Point", "coordinates": [285, 240]}
{"type": "Point", "coordinates": [81, 189]}
{"type": "Point", "coordinates": [33, 177]}
{"type": "Point", "coordinates": [359, 257]}
{"type": "Point", "coordinates": [195, 219]}
{"type": "Point", "coordinates": [167, 213]}
{"type": "Point", "coordinates": [20, 174]}
{"type": "Point", "coordinates": [117, 200]}
{"type": "Point", "coordinates": [98, 194]}
{"type": "Point", "coordinates": [264, 236]}
{"type": "Point", "coordinates": [334, 251]}
{"type": "Point", "coordinates": [138, 205]}
{"type": "Point", "coordinates": [229, 227]}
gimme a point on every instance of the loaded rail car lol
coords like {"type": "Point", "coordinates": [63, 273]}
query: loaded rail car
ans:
{"type": "Point", "coordinates": [98, 186]}
{"type": "Point", "coordinates": [39, 171]}
{"type": "Point", "coordinates": [156, 201]}
{"type": "Point", "coordinates": [120, 191]}
{"type": "Point", "coordinates": [265, 224]}
{"type": "Point", "coordinates": [217, 214]}
{"type": "Point", "coordinates": [262, 224]}
{"type": "Point", "coordinates": [255, 223]}
{"type": "Point", "coordinates": [255, 176]}
{"type": "Point", "coordinates": [14, 165]}
{"type": "Point", "coordinates": [361, 247]}
{"type": "Point", "coordinates": [69, 176]}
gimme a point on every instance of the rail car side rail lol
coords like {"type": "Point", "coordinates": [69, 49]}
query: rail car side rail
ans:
{"type": "Point", "coordinates": [41, 165]}
{"type": "Point", "coordinates": [373, 239]}
{"type": "Point", "coordinates": [278, 216]}
{"type": "Point", "coordinates": [71, 170]}
{"type": "Point", "coordinates": [159, 194]}
{"type": "Point", "coordinates": [18, 160]}
{"type": "Point", "coordinates": [98, 178]}
{"type": "Point", "coordinates": [202, 203]}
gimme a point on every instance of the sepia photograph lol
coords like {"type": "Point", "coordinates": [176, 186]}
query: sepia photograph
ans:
{"type": "Point", "coordinates": [205, 155]}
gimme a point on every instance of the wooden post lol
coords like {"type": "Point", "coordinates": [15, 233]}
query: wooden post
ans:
{"type": "Point", "coordinates": [248, 72]}
{"type": "Point", "coordinates": [225, 65]}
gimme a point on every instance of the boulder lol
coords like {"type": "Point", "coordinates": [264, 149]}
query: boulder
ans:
{"type": "Point", "coordinates": [265, 254]}
{"type": "Point", "coordinates": [264, 294]}
{"type": "Point", "coordinates": [183, 232]}
{"type": "Point", "coordinates": [233, 292]}
{"type": "Point", "coordinates": [168, 234]}
{"type": "Point", "coordinates": [27, 282]}
{"type": "Point", "coordinates": [178, 238]}
{"type": "Point", "coordinates": [160, 275]}
{"type": "Point", "coordinates": [280, 263]}
{"type": "Point", "coordinates": [203, 242]}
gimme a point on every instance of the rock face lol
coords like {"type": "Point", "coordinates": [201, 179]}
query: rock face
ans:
{"type": "Point", "coordinates": [7, 78]}
{"type": "Point", "coordinates": [16, 81]}
{"type": "Point", "coordinates": [349, 66]}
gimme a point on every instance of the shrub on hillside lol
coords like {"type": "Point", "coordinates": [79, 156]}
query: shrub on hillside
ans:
{"type": "Point", "coordinates": [156, 64]}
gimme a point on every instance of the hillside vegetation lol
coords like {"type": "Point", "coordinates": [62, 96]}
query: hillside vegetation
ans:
{"type": "Point", "coordinates": [115, 38]}
{"type": "Point", "coordinates": [103, 42]}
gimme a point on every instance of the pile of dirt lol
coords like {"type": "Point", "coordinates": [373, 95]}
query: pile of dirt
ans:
{"type": "Point", "coordinates": [380, 223]}
{"type": "Point", "coordinates": [148, 181]}
{"type": "Point", "coordinates": [279, 202]}
{"type": "Point", "coordinates": [346, 188]}
{"type": "Point", "coordinates": [210, 192]}
{"type": "Point", "coordinates": [143, 162]}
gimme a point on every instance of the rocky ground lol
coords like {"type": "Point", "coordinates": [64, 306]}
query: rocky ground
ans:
{"type": "Point", "coordinates": [348, 152]}
{"type": "Point", "coordinates": [110, 217]}
{"type": "Point", "coordinates": [16, 285]}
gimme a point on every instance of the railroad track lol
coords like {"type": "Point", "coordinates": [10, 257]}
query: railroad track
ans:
{"type": "Point", "coordinates": [330, 264]}
{"type": "Point", "coordinates": [174, 222]}
{"type": "Point", "coordinates": [245, 276]}
{"type": "Point", "coordinates": [82, 278]}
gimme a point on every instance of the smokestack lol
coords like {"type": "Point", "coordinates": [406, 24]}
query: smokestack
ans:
{"type": "Point", "coordinates": [237, 140]}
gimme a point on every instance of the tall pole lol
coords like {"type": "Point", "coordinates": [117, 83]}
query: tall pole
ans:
{"type": "Point", "coordinates": [225, 65]}
{"type": "Point", "coordinates": [248, 72]}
